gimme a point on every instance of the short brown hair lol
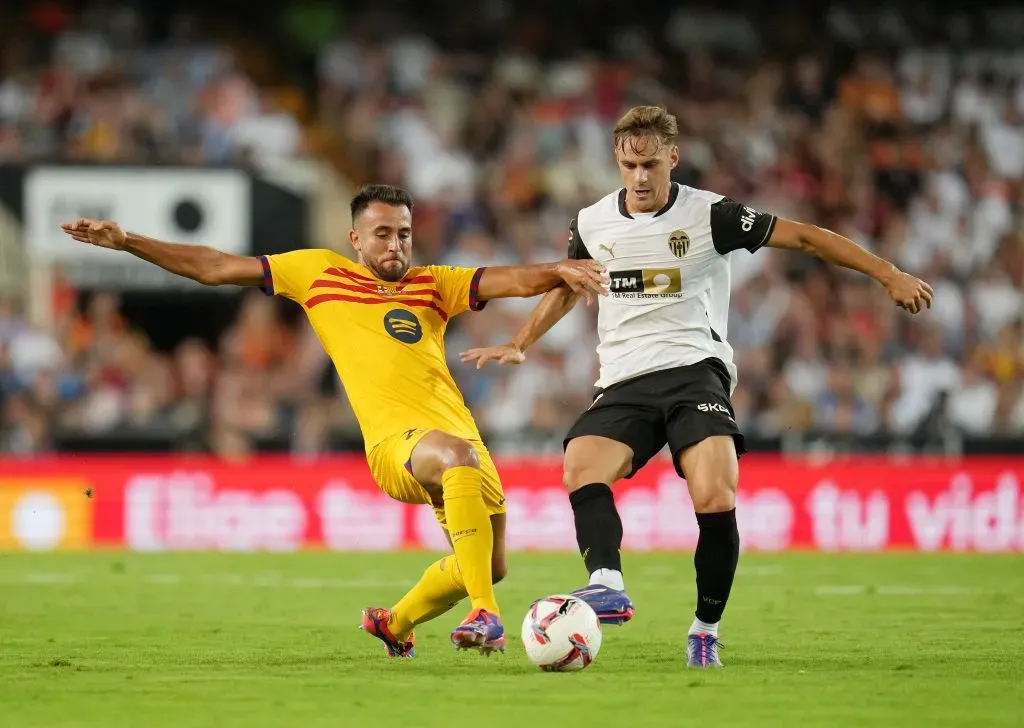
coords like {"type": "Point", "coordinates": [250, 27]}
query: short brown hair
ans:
{"type": "Point", "coordinates": [646, 121]}
{"type": "Point", "coordinates": [388, 194]}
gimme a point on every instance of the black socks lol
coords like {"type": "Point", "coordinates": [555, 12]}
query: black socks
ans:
{"type": "Point", "coordinates": [598, 528]}
{"type": "Point", "coordinates": [718, 550]}
{"type": "Point", "coordinates": [599, 536]}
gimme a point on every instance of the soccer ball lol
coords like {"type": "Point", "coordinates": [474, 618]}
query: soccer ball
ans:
{"type": "Point", "coordinates": [561, 633]}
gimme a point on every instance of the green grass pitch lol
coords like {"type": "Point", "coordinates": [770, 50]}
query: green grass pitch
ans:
{"type": "Point", "coordinates": [258, 640]}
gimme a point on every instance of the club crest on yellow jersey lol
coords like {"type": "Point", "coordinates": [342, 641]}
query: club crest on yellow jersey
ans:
{"type": "Point", "coordinates": [403, 325]}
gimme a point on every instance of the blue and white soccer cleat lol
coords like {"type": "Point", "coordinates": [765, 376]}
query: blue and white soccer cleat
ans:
{"type": "Point", "coordinates": [611, 605]}
{"type": "Point", "coordinates": [375, 622]}
{"type": "Point", "coordinates": [702, 651]}
{"type": "Point", "coordinates": [482, 631]}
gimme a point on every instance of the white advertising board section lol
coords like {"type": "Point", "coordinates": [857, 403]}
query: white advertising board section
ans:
{"type": "Point", "coordinates": [180, 204]}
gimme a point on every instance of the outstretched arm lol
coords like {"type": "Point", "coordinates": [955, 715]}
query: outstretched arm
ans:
{"type": "Point", "coordinates": [583, 277]}
{"type": "Point", "coordinates": [553, 308]}
{"type": "Point", "coordinates": [206, 265]}
{"type": "Point", "coordinates": [735, 225]}
{"type": "Point", "coordinates": [907, 291]}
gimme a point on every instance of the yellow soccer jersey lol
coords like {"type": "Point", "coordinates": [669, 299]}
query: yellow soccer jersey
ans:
{"type": "Point", "coordinates": [386, 339]}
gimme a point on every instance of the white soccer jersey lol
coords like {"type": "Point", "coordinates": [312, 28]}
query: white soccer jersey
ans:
{"type": "Point", "coordinates": [670, 278]}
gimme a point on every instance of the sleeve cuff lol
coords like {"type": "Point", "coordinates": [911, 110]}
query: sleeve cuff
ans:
{"type": "Point", "coordinates": [475, 304]}
{"type": "Point", "coordinates": [268, 278]}
{"type": "Point", "coordinates": [767, 235]}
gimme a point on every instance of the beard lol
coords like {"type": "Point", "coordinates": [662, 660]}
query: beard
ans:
{"type": "Point", "coordinates": [391, 271]}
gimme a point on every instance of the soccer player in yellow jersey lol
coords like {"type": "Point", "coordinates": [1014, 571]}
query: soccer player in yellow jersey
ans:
{"type": "Point", "coordinates": [383, 323]}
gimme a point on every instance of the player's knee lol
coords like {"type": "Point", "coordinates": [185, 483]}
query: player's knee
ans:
{"type": "Point", "coordinates": [572, 477]}
{"type": "Point", "coordinates": [595, 460]}
{"type": "Point", "coordinates": [714, 494]}
{"type": "Point", "coordinates": [456, 453]}
{"type": "Point", "coordinates": [578, 472]}
{"type": "Point", "coordinates": [576, 475]}
{"type": "Point", "coordinates": [499, 569]}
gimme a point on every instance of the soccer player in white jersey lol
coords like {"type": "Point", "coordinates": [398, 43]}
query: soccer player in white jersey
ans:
{"type": "Point", "coordinates": [666, 368]}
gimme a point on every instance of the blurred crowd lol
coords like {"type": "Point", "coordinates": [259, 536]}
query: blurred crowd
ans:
{"type": "Point", "coordinates": [904, 132]}
{"type": "Point", "coordinates": [111, 83]}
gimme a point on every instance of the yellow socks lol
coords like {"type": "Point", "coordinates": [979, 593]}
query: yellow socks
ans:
{"type": "Point", "coordinates": [469, 526]}
{"type": "Point", "coordinates": [438, 590]}
{"type": "Point", "coordinates": [449, 580]}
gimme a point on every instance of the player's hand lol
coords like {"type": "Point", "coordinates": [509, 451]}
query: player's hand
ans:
{"type": "Point", "coordinates": [909, 292]}
{"type": "Point", "coordinates": [101, 233]}
{"type": "Point", "coordinates": [585, 278]}
{"type": "Point", "coordinates": [503, 354]}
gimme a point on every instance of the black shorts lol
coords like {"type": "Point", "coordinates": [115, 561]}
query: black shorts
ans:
{"type": "Point", "coordinates": [679, 407]}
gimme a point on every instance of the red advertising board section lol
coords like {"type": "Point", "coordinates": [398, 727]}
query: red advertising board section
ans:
{"type": "Point", "coordinates": [281, 504]}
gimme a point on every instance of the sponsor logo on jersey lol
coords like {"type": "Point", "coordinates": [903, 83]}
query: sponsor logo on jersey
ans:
{"type": "Point", "coordinates": [747, 219]}
{"type": "Point", "coordinates": [403, 325]}
{"type": "Point", "coordinates": [610, 249]}
{"type": "Point", "coordinates": [679, 243]}
{"type": "Point", "coordinates": [646, 283]}
{"type": "Point", "coordinates": [386, 290]}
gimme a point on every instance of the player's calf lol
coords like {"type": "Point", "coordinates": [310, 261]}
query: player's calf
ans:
{"type": "Point", "coordinates": [591, 464]}
{"type": "Point", "coordinates": [499, 569]}
{"type": "Point", "coordinates": [452, 463]}
{"type": "Point", "coordinates": [712, 473]}
{"type": "Point", "coordinates": [714, 560]}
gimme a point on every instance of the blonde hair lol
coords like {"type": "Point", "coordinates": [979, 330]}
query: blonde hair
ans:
{"type": "Point", "coordinates": [642, 122]}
